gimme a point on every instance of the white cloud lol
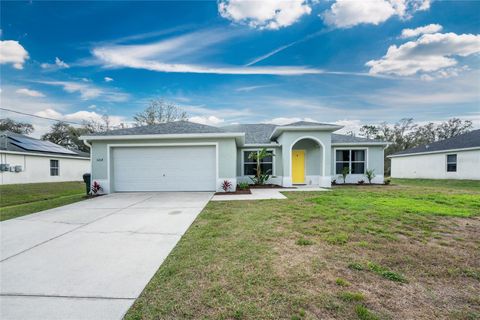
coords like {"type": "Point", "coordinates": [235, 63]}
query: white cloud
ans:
{"type": "Point", "coordinates": [108, 79]}
{"type": "Point", "coordinates": [349, 13]}
{"type": "Point", "coordinates": [92, 106]}
{"type": "Point", "coordinates": [348, 126]}
{"type": "Point", "coordinates": [59, 64]}
{"type": "Point", "coordinates": [30, 93]}
{"type": "Point", "coordinates": [88, 91]}
{"type": "Point", "coordinates": [208, 120]}
{"type": "Point", "coordinates": [13, 52]}
{"type": "Point", "coordinates": [431, 28]}
{"type": "Point", "coordinates": [250, 88]}
{"type": "Point", "coordinates": [176, 54]}
{"type": "Point", "coordinates": [285, 120]}
{"type": "Point", "coordinates": [78, 116]}
{"type": "Point", "coordinates": [430, 53]}
{"type": "Point", "coordinates": [264, 14]}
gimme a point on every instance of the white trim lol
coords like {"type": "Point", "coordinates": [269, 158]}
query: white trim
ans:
{"type": "Point", "coordinates": [433, 152]}
{"type": "Point", "coordinates": [256, 149]}
{"type": "Point", "coordinates": [346, 144]}
{"type": "Point", "coordinates": [322, 172]}
{"type": "Point", "coordinates": [133, 145]}
{"type": "Point", "coordinates": [261, 145]}
{"type": "Point", "coordinates": [163, 136]}
{"type": "Point", "coordinates": [43, 155]}
{"type": "Point", "coordinates": [330, 127]}
{"type": "Point", "coordinates": [447, 163]}
{"type": "Point", "coordinates": [349, 161]}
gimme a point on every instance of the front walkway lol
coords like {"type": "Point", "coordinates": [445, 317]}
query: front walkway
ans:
{"type": "Point", "coordinates": [91, 259]}
{"type": "Point", "coordinates": [265, 194]}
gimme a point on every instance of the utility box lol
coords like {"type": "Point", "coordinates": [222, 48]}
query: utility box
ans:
{"type": "Point", "coordinates": [18, 169]}
{"type": "Point", "coordinates": [4, 167]}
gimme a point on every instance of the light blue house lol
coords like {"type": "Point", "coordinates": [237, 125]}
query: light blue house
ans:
{"type": "Point", "coordinates": [186, 156]}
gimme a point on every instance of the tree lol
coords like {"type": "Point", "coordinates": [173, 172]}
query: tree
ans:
{"type": "Point", "coordinates": [159, 111]}
{"type": "Point", "coordinates": [8, 124]}
{"type": "Point", "coordinates": [369, 131]}
{"type": "Point", "coordinates": [92, 126]}
{"type": "Point", "coordinates": [452, 128]}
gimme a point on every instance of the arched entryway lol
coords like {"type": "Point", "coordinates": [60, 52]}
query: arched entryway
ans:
{"type": "Point", "coordinates": [307, 161]}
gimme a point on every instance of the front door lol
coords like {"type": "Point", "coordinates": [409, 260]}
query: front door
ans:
{"type": "Point", "coordinates": [298, 166]}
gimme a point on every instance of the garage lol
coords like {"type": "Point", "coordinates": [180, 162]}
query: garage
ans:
{"type": "Point", "coordinates": [164, 168]}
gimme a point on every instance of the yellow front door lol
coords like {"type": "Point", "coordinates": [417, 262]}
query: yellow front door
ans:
{"type": "Point", "coordinates": [298, 166]}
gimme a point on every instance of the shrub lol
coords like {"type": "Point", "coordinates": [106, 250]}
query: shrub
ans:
{"type": "Point", "coordinates": [361, 181]}
{"type": "Point", "coordinates": [304, 242]}
{"type": "Point", "coordinates": [345, 172]}
{"type": "Point", "coordinates": [342, 282]}
{"type": "Point", "coordinates": [226, 185]}
{"type": "Point", "coordinates": [370, 174]}
{"type": "Point", "coordinates": [95, 188]}
{"type": "Point", "coordinates": [243, 185]}
{"type": "Point", "coordinates": [387, 181]}
{"type": "Point", "coordinates": [334, 181]}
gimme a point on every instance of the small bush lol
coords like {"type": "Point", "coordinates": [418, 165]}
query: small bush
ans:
{"type": "Point", "coordinates": [364, 314]}
{"type": "Point", "coordinates": [226, 185]}
{"type": "Point", "coordinates": [243, 185]}
{"type": "Point", "coordinates": [304, 242]}
{"type": "Point", "coordinates": [356, 266]}
{"type": "Point", "coordinates": [387, 181]}
{"type": "Point", "coordinates": [361, 182]}
{"type": "Point", "coordinates": [351, 296]}
{"type": "Point", "coordinates": [334, 181]}
{"type": "Point", "coordinates": [342, 282]}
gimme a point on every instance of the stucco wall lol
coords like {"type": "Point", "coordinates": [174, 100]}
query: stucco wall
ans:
{"type": "Point", "coordinates": [288, 139]}
{"type": "Point", "coordinates": [37, 169]}
{"type": "Point", "coordinates": [374, 160]}
{"type": "Point", "coordinates": [227, 156]}
{"type": "Point", "coordinates": [434, 166]}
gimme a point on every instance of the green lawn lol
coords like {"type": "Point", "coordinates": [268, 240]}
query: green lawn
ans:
{"type": "Point", "coordinates": [406, 251]}
{"type": "Point", "coordinates": [21, 199]}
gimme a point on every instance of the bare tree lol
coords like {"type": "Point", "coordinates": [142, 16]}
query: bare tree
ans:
{"type": "Point", "coordinates": [11, 125]}
{"type": "Point", "coordinates": [453, 127]}
{"type": "Point", "coordinates": [92, 126]}
{"type": "Point", "coordinates": [159, 111]}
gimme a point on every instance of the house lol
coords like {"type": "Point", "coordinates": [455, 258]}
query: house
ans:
{"type": "Point", "coordinates": [186, 156]}
{"type": "Point", "coordinates": [454, 158]}
{"type": "Point", "coordinates": [27, 160]}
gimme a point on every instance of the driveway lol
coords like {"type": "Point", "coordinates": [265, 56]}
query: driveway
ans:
{"type": "Point", "coordinates": [91, 259]}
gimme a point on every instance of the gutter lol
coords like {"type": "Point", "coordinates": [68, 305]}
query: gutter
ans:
{"type": "Point", "coordinates": [432, 152]}
{"type": "Point", "coordinates": [162, 136]}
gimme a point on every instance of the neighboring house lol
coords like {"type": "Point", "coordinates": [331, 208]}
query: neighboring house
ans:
{"type": "Point", "coordinates": [454, 158]}
{"type": "Point", "coordinates": [28, 160]}
{"type": "Point", "coordinates": [186, 156]}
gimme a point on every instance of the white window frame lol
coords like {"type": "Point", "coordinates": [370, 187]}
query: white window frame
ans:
{"type": "Point", "coordinates": [365, 167]}
{"type": "Point", "coordinates": [250, 162]}
{"type": "Point", "coordinates": [53, 167]}
{"type": "Point", "coordinates": [447, 163]}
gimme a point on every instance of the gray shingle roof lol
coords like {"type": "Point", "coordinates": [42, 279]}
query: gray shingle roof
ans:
{"type": "Point", "coordinates": [177, 127]}
{"type": "Point", "coordinates": [7, 145]}
{"type": "Point", "coordinates": [467, 140]}
{"type": "Point", "coordinates": [258, 133]}
{"type": "Point", "coordinates": [342, 138]}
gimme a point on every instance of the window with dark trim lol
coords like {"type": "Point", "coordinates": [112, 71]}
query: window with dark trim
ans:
{"type": "Point", "coordinates": [54, 167]}
{"type": "Point", "coordinates": [250, 165]}
{"type": "Point", "coordinates": [451, 163]}
{"type": "Point", "coordinates": [353, 159]}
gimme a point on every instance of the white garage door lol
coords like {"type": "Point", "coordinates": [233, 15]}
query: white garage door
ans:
{"type": "Point", "coordinates": [189, 168]}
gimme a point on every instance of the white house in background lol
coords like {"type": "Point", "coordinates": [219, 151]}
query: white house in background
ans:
{"type": "Point", "coordinates": [27, 160]}
{"type": "Point", "coordinates": [454, 158]}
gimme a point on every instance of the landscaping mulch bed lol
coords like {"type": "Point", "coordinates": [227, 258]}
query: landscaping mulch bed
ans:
{"type": "Point", "coordinates": [247, 191]}
{"type": "Point", "coordinates": [268, 186]}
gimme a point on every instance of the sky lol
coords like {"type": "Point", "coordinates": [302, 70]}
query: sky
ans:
{"type": "Point", "coordinates": [348, 62]}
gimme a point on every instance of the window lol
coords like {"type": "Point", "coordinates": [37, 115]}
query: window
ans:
{"type": "Point", "coordinates": [250, 165]}
{"type": "Point", "coordinates": [54, 167]}
{"type": "Point", "coordinates": [451, 163]}
{"type": "Point", "coordinates": [354, 160]}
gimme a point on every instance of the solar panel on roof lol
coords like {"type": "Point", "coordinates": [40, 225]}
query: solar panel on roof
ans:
{"type": "Point", "coordinates": [39, 145]}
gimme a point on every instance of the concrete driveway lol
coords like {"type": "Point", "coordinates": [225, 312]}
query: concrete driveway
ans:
{"type": "Point", "coordinates": [91, 259]}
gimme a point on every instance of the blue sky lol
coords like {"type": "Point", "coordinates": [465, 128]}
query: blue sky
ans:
{"type": "Point", "coordinates": [343, 61]}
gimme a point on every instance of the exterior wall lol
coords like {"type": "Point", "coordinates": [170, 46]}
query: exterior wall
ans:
{"type": "Point", "coordinates": [289, 139]}
{"type": "Point", "coordinates": [102, 165]}
{"type": "Point", "coordinates": [276, 176]}
{"type": "Point", "coordinates": [434, 166]}
{"type": "Point", "coordinates": [374, 160]}
{"type": "Point", "coordinates": [36, 169]}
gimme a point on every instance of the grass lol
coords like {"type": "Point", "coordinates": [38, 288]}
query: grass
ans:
{"type": "Point", "coordinates": [21, 199]}
{"type": "Point", "coordinates": [406, 251]}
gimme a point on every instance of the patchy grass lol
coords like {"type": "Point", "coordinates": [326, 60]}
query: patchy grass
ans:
{"type": "Point", "coordinates": [342, 282]}
{"type": "Point", "coordinates": [304, 242]}
{"type": "Point", "coordinates": [21, 199]}
{"type": "Point", "coordinates": [242, 260]}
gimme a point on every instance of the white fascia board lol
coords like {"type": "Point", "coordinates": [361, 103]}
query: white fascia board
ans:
{"type": "Point", "coordinates": [260, 145]}
{"type": "Point", "coordinates": [44, 155]}
{"type": "Point", "coordinates": [164, 136]}
{"type": "Point", "coordinates": [343, 144]}
{"type": "Point", "coordinates": [278, 130]}
{"type": "Point", "coordinates": [433, 152]}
